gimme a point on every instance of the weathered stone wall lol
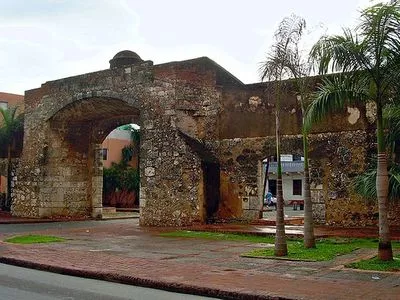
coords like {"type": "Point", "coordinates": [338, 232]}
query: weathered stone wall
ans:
{"type": "Point", "coordinates": [240, 160]}
{"type": "Point", "coordinates": [249, 111]}
{"type": "Point", "coordinates": [339, 150]}
{"type": "Point", "coordinates": [335, 158]}
{"type": "Point", "coordinates": [67, 119]}
{"type": "Point", "coordinates": [355, 211]}
{"type": "Point", "coordinates": [194, 115]}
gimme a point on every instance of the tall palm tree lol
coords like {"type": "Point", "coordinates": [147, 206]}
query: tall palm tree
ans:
{"type": "Point", "coordinates": [10, 124]}
{"type": "Point", "coordinates": [369, 59]}
{"type": "Point", "coordinates": [300, 69]}
{"type": "Point", "coordinates": [275, 68]}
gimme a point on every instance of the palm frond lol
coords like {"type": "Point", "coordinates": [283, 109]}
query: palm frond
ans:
{"type": "Point", "coordinates": [278, 60]}
{"type": "Point", "coordinates": [10, 123]}
{"type": "Point", "coordinates": [290, 30]}
{"type": "Point", "coordinates": [333, 95]}
{"type": "Point", "coordinates": [390, 76]}
{"type": "Point", "coordinates": [365, 184]}
{"type": "Point", "coordinates": [394, 182]}
{"type": "Point", "coordinates": [339, 53]}
{"type": "Point", "coordinates": [391, 117]}
{"type": "Point", "coordinates": [380, 26]}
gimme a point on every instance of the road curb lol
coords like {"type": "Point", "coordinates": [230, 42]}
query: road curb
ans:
{"type": "Point", "coordinates": [38, 221]}
{"type": "Point", "coordinates": [144, 282]}
{"type": "Point", "coordinates": [32, 221]}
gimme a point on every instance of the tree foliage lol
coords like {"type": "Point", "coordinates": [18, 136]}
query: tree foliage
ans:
{"type": "Point", "coordinates": [120, 176]}
{"type": "Point", "coordinates": [365, 184]}
{"type": "Point", "coordinates": [368, 59]}
{"type": "Point", "coordinates": [11, 124]}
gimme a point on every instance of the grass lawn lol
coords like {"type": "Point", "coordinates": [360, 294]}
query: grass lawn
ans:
{"type": "Point", "coordinates": [33, 239]}
{"type": "Point", "coordinates": [376, 264]}
{"type": "Point", "coordinates": [220, 236]}
{"type": "Point", "coordinates": [327, 248]}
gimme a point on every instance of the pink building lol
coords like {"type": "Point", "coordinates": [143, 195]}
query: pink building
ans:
{"type": "Point", "coordinates": [113, 145]}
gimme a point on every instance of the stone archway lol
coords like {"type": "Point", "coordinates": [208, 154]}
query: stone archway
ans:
{"type": "Point", "coordinates": [76, 132]}
{"type": "Point", "coordinates": [66, 120]}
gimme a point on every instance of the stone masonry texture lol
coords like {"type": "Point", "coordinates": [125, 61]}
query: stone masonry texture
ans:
{"type": "Point", "coordinates": [203, 136]}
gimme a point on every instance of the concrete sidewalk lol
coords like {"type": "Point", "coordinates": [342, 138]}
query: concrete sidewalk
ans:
{"type": "Point", "coordinates": [122, 251]}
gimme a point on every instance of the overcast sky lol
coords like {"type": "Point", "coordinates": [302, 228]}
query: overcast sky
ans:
{"type": "Point", "coordinates": [42, 40]}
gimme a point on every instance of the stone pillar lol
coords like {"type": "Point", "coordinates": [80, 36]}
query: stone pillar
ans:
{"type": "Point", "coordinates": [96, 172]}
{"type": "Point", "coordinates": [28, 198]}
{"type": "Point", "coordinates": [318, 204]}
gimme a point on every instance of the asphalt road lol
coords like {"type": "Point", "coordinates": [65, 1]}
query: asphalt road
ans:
{"type": "Point", "coordinates": [20, 283]}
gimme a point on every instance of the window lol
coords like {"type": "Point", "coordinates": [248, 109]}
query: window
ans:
{"type": "Point", "coordinates": [104, 153]}
{"type": "Point", "coordinates": [297, 187]}
{"type": "Point", "coordinates": [297, 157]}
{"type": "Point", "coordinates": [272, 186]}
{"type": "Point", "coordinates": [3, 105]}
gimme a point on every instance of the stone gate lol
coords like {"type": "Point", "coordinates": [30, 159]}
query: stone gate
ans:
{"type": "Point", "coordinates": [203, 136]}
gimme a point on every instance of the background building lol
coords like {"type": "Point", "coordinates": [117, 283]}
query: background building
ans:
{"type": "Point", "coordinates": [112, 147]}
{"type": "Point", "coordinates": [8, 100]}
{"type": "Point", "coordinates": [292, 177]}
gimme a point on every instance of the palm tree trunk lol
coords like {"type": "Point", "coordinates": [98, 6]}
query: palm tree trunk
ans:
{"type": "Point", "coordinates": [309, 238]}
{"type": "Point", "coordinates": [7, 204]}
{"type": "Point", "coordinates": [382, 186]}
{"type": "Point", "coordinates": [280, 236]}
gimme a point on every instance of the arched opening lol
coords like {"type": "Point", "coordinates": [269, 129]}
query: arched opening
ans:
{"type": "Point", "coordinates": [292, 185]}
{"type": "Point", "coordinates": [210, 181]}
{"type": "Point", "coordinates": [121, 177]}
{"type": "Point", "coordinates": [73, 156]}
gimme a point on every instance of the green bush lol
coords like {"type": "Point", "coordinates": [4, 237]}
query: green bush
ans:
{"type": "Point", "coordinates": [119, 177]}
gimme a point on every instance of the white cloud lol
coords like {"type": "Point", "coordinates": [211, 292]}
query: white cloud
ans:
{"type": "Point", "coordinates": [46, 40]}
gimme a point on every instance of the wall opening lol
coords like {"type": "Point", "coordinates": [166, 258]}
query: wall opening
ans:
{"type": "Point", "coordinates": [76, 152]}
{"type": "Point", "coordinates": [292, 185]}
{"type": "Point", "coordinates": [121, 176]}
{"type": "Point", "coordinates": [211, 179]}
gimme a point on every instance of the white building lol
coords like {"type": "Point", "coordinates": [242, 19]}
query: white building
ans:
{"type": "Point", "coordinates": [292, 177]}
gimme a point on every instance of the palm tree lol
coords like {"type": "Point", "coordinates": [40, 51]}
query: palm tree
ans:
{"type": "Point", "coordinates": [365, 183]}
{"type": "Point", "coordinates": [10, 125]}
{"type": "Point", "coordinates": [369, 60]}
{"type": "Point", "coordinates": [275, 68]}
{"type": "Point", "coordinates": [300, 70]}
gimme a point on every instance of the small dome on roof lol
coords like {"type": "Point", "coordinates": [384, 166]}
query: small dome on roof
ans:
{"type": "Point", "coordinates": [123, 58]}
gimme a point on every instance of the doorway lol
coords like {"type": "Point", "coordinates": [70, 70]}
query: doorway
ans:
{"type": "Point", "coordinates": [211, 179]}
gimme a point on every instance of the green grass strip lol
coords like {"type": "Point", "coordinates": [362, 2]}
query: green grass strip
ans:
{"type": "Point", "coordinates": [325, 250]}
{"type": "Point", "coordinates": [34, 239]}
{"type": "Point", "coordinates": [377, 265]}
{"type": "Point", "coordinates": [219, 236]}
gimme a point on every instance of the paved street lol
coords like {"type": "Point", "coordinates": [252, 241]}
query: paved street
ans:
{"type": "Point", "coordinates": [124, 252]}
{"type": "Point", "coordinates": [26, 284]}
